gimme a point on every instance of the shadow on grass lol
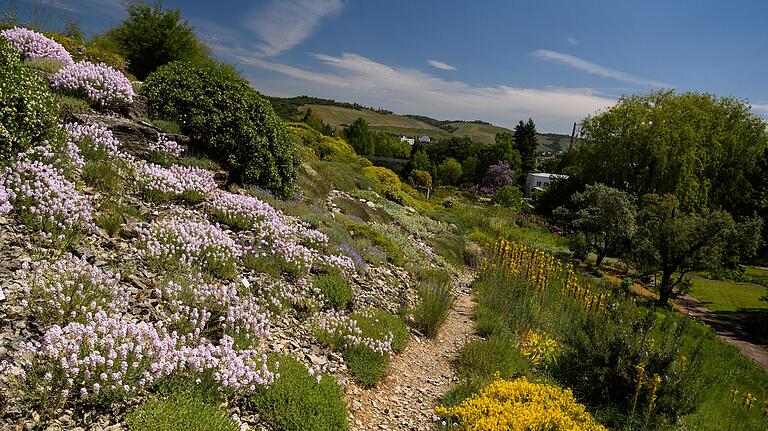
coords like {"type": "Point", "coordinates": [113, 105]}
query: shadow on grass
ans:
{"type": "Point", "coordinates": [753, 322]}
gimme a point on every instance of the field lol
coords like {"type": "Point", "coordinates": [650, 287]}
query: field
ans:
{"type": "Point", "coordinates": [339, 117]}
{"type": "Point", "coordinates": [728, 296]}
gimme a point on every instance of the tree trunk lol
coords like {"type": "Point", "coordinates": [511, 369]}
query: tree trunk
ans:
{"type": "Point", "coordinates": [665, 290]}
{"type": "Point", "coordinates": [600, 257]}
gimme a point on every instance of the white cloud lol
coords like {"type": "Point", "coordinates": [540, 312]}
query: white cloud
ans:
{"type": "Point", "coordinates": [595, 69]}
{"type": "Point", "coordinates": [761, 109]}
{"type": "Point", "coordinates": [572, 40]}
{"type": "Point", "coordinates": [440, 65]}
{"type": "Point", "coordinates": [354, 77]}
{"type": "Point", "coordinates": [283, 24]}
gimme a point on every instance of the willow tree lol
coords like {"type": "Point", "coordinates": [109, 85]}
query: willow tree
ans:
{"type": "Point", "coordinates": [700, 148]}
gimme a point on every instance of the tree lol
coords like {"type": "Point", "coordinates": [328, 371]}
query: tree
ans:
{"type": "Point", "coordinates": [421, 178]}
{"type": "Point", "coordinates": [420, 161]}
{"type": "Point", "coordinates": [698, 147]}
{"type": "Point", "coordinates": [674, 242]}
{"type": "Point", "coordinates": [469, 169]}
{"type": "Point", "coordinates": [497, 176]}
{"type": "Point", "coordinates": [360, 136]}
{"type": "Point", "coordinates": [509, 196]}
{"type": "Point", "coordinates": [151, 37]}
{"type": "Point", "coordinates": [502, 150]}
{"type": "Point", "coordinates": [312, 120]}
{"type": "Point", "coordinates": [449, 171]}
{"type": "Point", "coordinates": [525, 143]}
{"type": "Point", "coordinates": [606, 216]}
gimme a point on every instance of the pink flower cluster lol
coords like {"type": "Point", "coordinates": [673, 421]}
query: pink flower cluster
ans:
{"type": "Point", "coordinates": [239, 315]}
{"type": "Point", "coordinates": [100, 83]}
{"type": "Point", "coordinates": [46, 200]}
{"type": "Point", "coordinates": [5, 201]}
{"type": "Point", "coordinates": [342, 331]}
{"type": "Point", "coordinates": [159, 183]}
{"type": "Point", "coordinates": [70, 289]}
{"type": "Point", "coordinates": [93, 138]}
{"type": "Point", "coordinates": [107, 354]}
{"type": "Point", "coordinates": [34, 45]}
{"type": "Point", "coordinates": [238, 370]}
{"type": "Point", "coordinates": [166, 146]}
{"type": "Point", "coordinates": [177, 240]}
{"type": "Point", "coordinates": [270, 231]}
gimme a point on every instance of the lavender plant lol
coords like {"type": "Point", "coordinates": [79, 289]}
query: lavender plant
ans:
{"type": "Point", "coordinates": [159, 184]}
{"type": "Point", "coordinates": [5, 201]}
{"type": "Point", "coordinates": [70, 290]}
{"type": "Point", "coordinates": [33, 45]}
{"type": "Point", "coordinates": [95, 141]}
{"type": "Point", "coordinates": [99, 83]}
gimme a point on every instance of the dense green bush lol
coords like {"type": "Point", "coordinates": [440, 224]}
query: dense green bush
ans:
{"type": "Point", "coordinates": [298, 402]}
{"type": "Point", "coordinates": [509, 196]}
{"type": "Point", "coordinates": [28, 109]}
{"type": "Point", "coordinates": [151, 37]}
{"type": "Point", "coordinates": [231, 121]}
{"type": "Point", "coordinates": [366, 366]}
{"type": "Point", "coordinates": [377, 323]}
{"type": "Point", "coordinates": [335, 290]}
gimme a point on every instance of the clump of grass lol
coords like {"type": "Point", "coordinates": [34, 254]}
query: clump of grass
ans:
{"type": "Point", "coordinates": [263, 264]}
{"type": "Point", "coordinates": [435, 302]}
{"type": "Point", "coordinates": [377, 323]}
{"type": "Point", "coordinates": [335, 290]}
{"type": "Point", "coordinates": [111, 215]}
{"type": "Point", "coordinates": [45, 65]}
{"type": "Point", "coordinates": [198, 161]}
{"type": "Point", "coordinates": [171, 127]}
{"type": "Point", "coordinates": [297, 401]}
{"type": "Point", "coordinates": [69, 106]}
{"type": "Point", "coordinates": [103, 176]}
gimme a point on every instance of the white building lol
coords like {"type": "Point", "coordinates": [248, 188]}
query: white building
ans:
{"type": "Point", "coordinates": [425, 139]}
{"type": "Point", "coordinates": [540, 181]}
{"type": "Point", "coordinates": [410, 141]}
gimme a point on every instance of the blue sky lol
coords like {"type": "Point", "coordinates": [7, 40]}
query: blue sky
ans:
{"type": "Point", "coordinates": [500, 61]}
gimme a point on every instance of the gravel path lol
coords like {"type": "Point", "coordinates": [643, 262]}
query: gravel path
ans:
{"type": "Point", "coordinates": [417, 377]}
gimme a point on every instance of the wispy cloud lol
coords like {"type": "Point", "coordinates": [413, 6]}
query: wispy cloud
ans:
{"type": "Point", "coordinates": [354, 77]}
{"type": "Point", "coordinates": [761, 109]}
{"type": "Point", "coordinates": [283, 24]}
{"type": "Point", "coordinates": [572, 40]}
{"type": "Point", "coordinates": [440, 65]}
{"type": "Point", "coordinates": [595, 69]}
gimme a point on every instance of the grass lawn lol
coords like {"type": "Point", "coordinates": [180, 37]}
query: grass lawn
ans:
{"type": "Point", "coordinates": [756, 272]}
{"type": "Point", "coordinates": [728, 296]}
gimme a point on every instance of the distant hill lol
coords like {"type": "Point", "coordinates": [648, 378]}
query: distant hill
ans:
{"type": "Point", "coordinates": [341, 114]}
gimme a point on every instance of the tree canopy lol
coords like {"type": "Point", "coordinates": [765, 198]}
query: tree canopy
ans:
{"type": "Point", "coordinates": [525, 143]}
{"type": "Point", "coordinates": [701, 148]}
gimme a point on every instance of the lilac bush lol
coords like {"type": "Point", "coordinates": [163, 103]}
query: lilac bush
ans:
{"type": "Point", "coordinates": [45, 200]}
{"type": "Point", "coordinates": [100, 83]}
{"type": "Point", "coordinates": [159, 184]}
{"type": "Point", "coordinates": [497, 176]}
{"type": "Point", "coordinates": [70, 290]}
{"type": "Point", "coordinates": [33, 45]}
{"type": "Point", "coordinates": [179, 241]}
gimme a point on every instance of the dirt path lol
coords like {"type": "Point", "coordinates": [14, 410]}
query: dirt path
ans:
{"type": "Point", "coordinates": [728, 331]}
{"type": "Point", "coordinates": [417, 377]}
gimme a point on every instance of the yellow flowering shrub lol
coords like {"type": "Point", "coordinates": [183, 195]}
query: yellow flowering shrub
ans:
{"type": "Point", "coordinates": [384, 175]}
{"type": "Point", "coordinates": [540, 348]}
{"type": "Point", "coordinates": [520, 405]}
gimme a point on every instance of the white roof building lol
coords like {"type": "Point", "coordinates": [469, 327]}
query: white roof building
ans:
{"type": "Point", "coordinates": [540, 181]}
{"type": "Point", "coordinates": [410, 141]}
{"type": "Point", "coordinates": [425, 139]}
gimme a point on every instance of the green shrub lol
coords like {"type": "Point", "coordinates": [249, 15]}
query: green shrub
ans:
{"type": "Point", "coordinates": [263, 264]}
{"type": "Point", "coordinates": [509, 196]}
{"type": "Point", "coordinates": [335, 290]}
{"type": "Point", "coordinates": [483, 358]}
{"type": "Point", "coordinates": [179, 413]}
{"type": "Point", "coordinates": [435, 302]}
{"type": "Point", "coordinates": [394, 253]}
{"type": "Point", "coordinates": [46, 65]}
{"type": "Point", "coordinates": [297, 402]}
{"type": "Point", "coordinates": [421, 178]}
{"type": "Point", "coordinates": [377, 323]}
{"type": "Point", "coordinates": [449, 172]}
{"type": "Point", "coordinates": [69, 105]}
{"type": "Point", "coordinates": [151, 37]}
{"type": "Point", "coordinates": [366, 366]}
{"type": "Point", "coordinates": [28, 109]}
{"type": "Point", "coordinates": [234, 124]}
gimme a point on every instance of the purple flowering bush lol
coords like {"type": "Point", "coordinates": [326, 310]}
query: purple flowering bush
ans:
{"type": "Point", "coordinates": [46, 201]}
{"type": "Point", "coordinates": [101, 84]}
{"type": "Point", "coordinates": [340, 332]}
{"type": "Point", "coordinates": [94, 141]}
{"type": "Point", "coordinates": [5, 201]}
{"type": "Point", "coordinates": [33, 45]}
{"type": "Point", "coordinates": [70, 290]}
{"type": "Point", "coordinates": [108, 356]}
{"type": "Point", "coordinates": [159, 184]}
{"type": "Point", "coordinates": [165, 146]}
{"type": "Point", "coordinates": [196, 308]}
{"type": "Point", "coordinates": [497, 176]}
{"type": "Point", "coordinates": [179, 242]}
